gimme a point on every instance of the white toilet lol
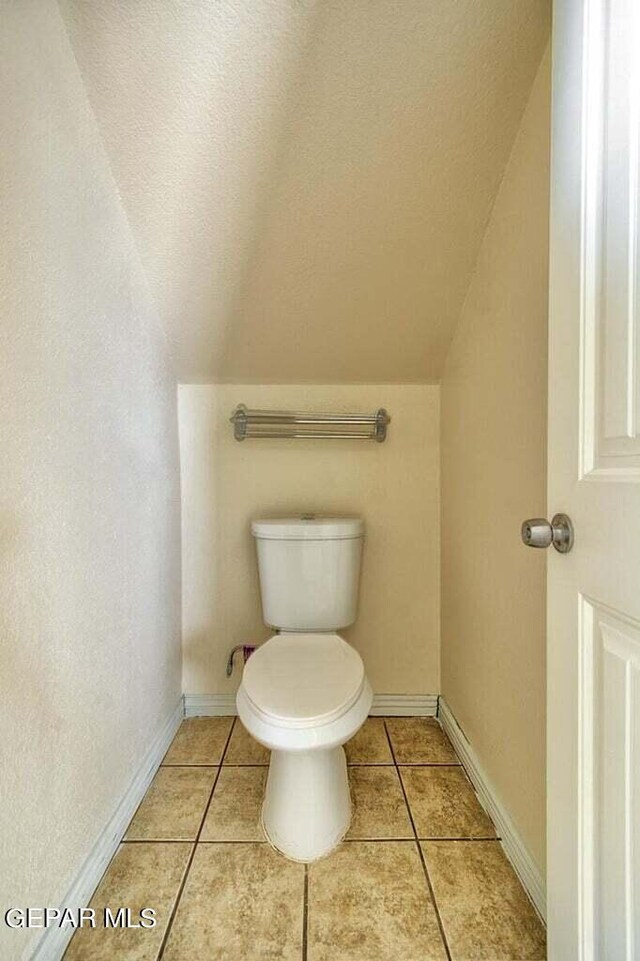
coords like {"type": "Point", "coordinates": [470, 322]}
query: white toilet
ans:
{"type": "Point", "coordinates": [304, 692]}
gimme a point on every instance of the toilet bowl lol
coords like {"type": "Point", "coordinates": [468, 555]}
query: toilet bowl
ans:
{"type": "Point", "coordinates": [304, 696]}
{"type": "Point", "coordinates": [304, 692]}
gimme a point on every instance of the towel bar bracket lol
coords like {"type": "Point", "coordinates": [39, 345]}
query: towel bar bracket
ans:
{"type": "Point", "coordinates": [239, 421]}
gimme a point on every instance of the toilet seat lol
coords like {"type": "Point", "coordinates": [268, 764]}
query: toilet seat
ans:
{"type": "Point", "coordinates": [301, 681]}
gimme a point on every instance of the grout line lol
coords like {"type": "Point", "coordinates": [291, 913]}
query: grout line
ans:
{"type": "Point", "coordinates": [349, 764]}
{"type": "Point", "coordinates": [376, 840]}
{"type": "Point", "coordinates": [388, 764]}
{"type": "Point", "coordinates": [159, 841]}
{"type": "Point", "coordinates": [380, 840]}
{"type": "Point", "coordinates": [428, 764]}
{"type": "Point", "coordinates": [420, 851]}
{"type": "Point", "coordinates": [305, 913]}
{"type": "Point", "coordinates": [176, 903]}
{"type": "Point", "coordinates": [218, 764]}
{"type": "Point", "coordinates": [211, 764]}
{"type": "Point", "coordinates": [404, 764]}
{"type": "Point", "coordinates": [238, 841]}
{"type": "Point", "coordinates": [404, 840]}
{"type": "Point", "coordinates": [462, 840]}
{"type": "Point", "coordinates": [213, 841]}
{"type": "Point", "coordinates": [246, 764]}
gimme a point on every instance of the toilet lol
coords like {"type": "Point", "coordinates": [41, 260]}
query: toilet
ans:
{"type": "Point", "coordinates": [304, 692]}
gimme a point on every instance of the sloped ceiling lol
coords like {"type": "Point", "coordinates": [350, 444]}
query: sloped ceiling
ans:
{"type": "Point", "coordinates": [308, 181]}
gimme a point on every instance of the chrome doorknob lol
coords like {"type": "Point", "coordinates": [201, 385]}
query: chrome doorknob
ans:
{"type": "Point", "coordinates": [538, 532]}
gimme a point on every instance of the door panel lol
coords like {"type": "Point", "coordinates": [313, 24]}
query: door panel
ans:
{"type": "Point", "coordinates": [609, 767]}
{"type": "Point", "coordinates": [610, 253]}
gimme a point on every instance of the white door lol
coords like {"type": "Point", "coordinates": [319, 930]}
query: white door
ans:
{"type": "Point", "coordinates": [593, 889]}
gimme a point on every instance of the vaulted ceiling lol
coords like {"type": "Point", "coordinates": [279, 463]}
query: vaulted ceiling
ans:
{"type": "Point", "coordinates": [308, 181]}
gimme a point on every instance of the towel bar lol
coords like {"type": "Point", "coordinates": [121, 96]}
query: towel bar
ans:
{"type": "Point", "coordinates": [298, 424]}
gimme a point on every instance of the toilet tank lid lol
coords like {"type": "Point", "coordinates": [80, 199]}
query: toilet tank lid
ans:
{"type": "Point", "coordinates": [307, 527]}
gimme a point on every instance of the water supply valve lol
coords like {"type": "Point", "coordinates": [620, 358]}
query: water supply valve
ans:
{"type": "Point", "coordinates": [247, 651]}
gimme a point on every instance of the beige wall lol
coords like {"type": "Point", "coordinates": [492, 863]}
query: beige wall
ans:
{"type": "Point", "coordinates": [493, 476]}
{"type": "Point", "coordinates": [393, 485]}
{"type": "Point", "coordinates": [89, 528]}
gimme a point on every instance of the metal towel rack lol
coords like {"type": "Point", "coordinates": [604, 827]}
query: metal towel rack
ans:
{"type": "Point", "coordinates": [296, 424]}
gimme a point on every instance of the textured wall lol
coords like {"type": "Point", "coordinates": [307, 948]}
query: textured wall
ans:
{"type": "Point", "coordinates": [394, 486]}
{"type": "Point", "coordinates": [89, 499]}
{"type": "Point", "coordinates": [494, 395]}
{"type": "Point", "coordinates": [309, 182]}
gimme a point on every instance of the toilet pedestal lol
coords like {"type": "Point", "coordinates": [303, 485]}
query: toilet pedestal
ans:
{"type": "Point", "coordinates": [307, 806]}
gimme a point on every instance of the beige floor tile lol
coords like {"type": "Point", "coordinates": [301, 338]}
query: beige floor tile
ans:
{"type": "Point", "coordinates": [369, 902]}
{"type": "Point", "coordinates": [485, 913]}
{"type": "Point", "coordinates": [140, 876]}
{"type": "Point", "coordinates": [236, 806]}
{"type": "Point", "coordinates": [200, 740]}
{"type": "Point", "coordinates": [173, 806]}
{"type": "Point", "coordinates": [379, 809]}
{"type": "Point", "coordinates": [370, 745]}
{"type": "Point", "coordinates": [243, 749]}
{"type": "Point", "coordinates": [444, 804]}
{"type": "Point", "coordinates": [241, 902]}
{"type": "Point", "coordinates": [419, 740]}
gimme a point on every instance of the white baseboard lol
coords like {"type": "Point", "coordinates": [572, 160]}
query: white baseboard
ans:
{"type": "Point", "coordinates": [210, 705]}
{"type": "Point", "coordinates": [399, 705]}
{"type": "Point", "coordinates": [514, 847]}
{"type": "Point", "coordinates": [405, 705]}
{"type": "Point", "coordinates": [53, 941]}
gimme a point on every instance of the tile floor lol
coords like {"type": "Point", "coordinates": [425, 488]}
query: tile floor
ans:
{"type": "Point", "coordinates": [420, 876]}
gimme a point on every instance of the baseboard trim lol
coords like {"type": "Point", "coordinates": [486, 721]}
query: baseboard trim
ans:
{"type": "Point", "coordinates": [53, 941]}
{"type": "Point", "coordinates": [397, 705]}
{"type": "Point", "coordinates": [210, 705]}
{"type": "Point", "coordinates": [405, 705]}
{"type": "Point", "coordinates": [514, 847]}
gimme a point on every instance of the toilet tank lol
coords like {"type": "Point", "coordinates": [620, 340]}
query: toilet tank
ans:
{"type": "Point", "coordinates": [309, 569]}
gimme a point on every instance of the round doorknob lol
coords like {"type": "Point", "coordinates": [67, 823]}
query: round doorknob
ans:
{"type": "Point", "coordinates": [538, 532]}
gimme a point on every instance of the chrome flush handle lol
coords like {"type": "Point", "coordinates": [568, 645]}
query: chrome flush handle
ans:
{"type": "Point", "coordinates": [538, 532]}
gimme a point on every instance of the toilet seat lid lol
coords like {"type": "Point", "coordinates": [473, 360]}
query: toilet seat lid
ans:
{"type": "Point", "coordinates": [298, 680]}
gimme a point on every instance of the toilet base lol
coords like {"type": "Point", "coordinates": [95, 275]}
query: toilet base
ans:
{"type": "Point", "coordinates": [307, 805]}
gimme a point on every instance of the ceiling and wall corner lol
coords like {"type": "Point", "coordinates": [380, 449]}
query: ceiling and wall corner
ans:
{"type": "Point", "coordinates": [308, 183]}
